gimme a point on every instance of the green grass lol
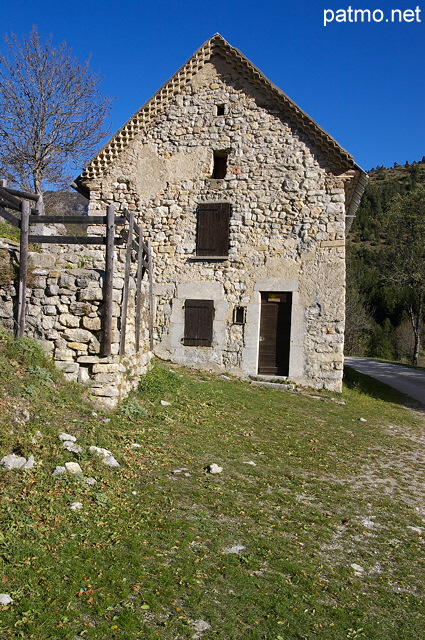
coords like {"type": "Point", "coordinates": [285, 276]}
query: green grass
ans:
{"type": "Point", "coordinates": [146, 556]}
{"type": "Point", "coordinates": [9, 231]}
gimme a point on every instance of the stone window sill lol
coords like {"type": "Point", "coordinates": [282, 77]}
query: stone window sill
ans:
{"type": "Point", "coordinates": [208, 258]}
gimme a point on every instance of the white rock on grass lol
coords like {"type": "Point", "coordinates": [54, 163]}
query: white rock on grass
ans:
{"type": "Point", "coordinates": [200, 626]}
{"type": "Point", "coordinates": [136, 446]}
{"type": "Point", "coordinates": [29, 463]}
{"type": "Point", "coordinates": [90, 481]}
{"type": "Point", "coordinates": [5, 599]}
{"type": "Point", "coordinates": [250, 462]}
{"type": "Point", "coordinates": [73, 468]}
{"type": "Point", "coordinates": [214, 468]}
{"type": "Point", "coordinates": [101, 453]}
{"type": "Point", "coordinates": [76, 506]}
{"type": "Point", "coordinates": [237, 548]}
{"type": "Point", "coordinates": [13, 461]}
{"type": "Point", "coordinates": [59, 471]}
{"type": "Point", "coordinates": [416, 529]}
{"type": "Point", "coordinates": [111, 462]}
{"type": "Point", "coordinates": [357, 568]}
{"type": "Point", "coordinates": [164, 403]}
{"type": "Point", "coordinates": [67, 436]}
{"type": "Point", "coordinates": [70, 446]}
{"type": "Point", "coordinates": [107, 457]}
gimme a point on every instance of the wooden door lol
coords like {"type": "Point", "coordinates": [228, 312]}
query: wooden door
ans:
{"type": "Point", "coordinates": [275, 334]}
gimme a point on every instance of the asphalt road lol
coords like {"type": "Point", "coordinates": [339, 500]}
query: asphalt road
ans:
{"type": "Point", "coordinates": [408, 381]}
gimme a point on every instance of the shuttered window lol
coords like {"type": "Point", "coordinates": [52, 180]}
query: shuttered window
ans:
{"type": "Point", "coordinates": [213, 229]}
{"type": "Point", "coordinates": [198, 323]}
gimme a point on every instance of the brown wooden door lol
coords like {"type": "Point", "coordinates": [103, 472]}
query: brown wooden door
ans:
{"type": "Point", "coordinates": [275, 334]}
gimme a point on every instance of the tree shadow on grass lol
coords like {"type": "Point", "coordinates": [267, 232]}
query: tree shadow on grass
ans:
{"type": "Point", "coordinates": [366, 384]}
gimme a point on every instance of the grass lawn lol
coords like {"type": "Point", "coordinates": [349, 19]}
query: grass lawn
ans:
{"type": "Point", "coordinates": [307, 489]}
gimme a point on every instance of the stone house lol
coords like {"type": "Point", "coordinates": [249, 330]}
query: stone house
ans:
{"type": "Point", "coordinates": [246, 201]}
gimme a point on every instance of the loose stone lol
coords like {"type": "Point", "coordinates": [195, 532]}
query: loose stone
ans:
{"type": "Point", "coordinates": [72, 447]}
{"type": "Point", "coordinates": [59, 471]}
{"type": "Point", "coordinates": [214, 468]}
{"type": "Point", "coordinates": [237, 548]}
{"type": "Point", "coordinates": [75, 506]}
{"type": "Point", "coordinates": [357, 568]}
{"type": "Point", "coordinates": [73, 468]}
{"type": "Point", "coordinates": [101, 453]}
{"type": "Point", "coordinates": [111, 462]}
{"type": "Point", "coordinates": [67, 436]}
{"type": "Point", "coordinates": [13, 461]}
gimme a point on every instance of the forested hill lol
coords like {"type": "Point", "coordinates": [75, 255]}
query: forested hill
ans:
{"type": "Point", "coordinates": [386, 266]}
{"type": "Point", "coordinates": [383, 185]}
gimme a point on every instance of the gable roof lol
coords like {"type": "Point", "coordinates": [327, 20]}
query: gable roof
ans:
{"type": "Point", "coordinates": [339, 158]}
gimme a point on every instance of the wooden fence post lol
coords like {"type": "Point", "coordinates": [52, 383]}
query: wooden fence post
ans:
{"type": "Point", "coordinates": [138, 288]}
{"type": "Point", "coordinates": [23, 268]}
{"type": "Point", "coordinates": [109, 277]}
{"type": "Point", "coordinates": [151, 296]}
{"type": "Point", "coordinates": [130, 217]}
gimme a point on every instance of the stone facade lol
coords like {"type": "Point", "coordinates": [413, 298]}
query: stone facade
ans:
{"type": "Point", "coordinates": [64, 310]}
{"type": "Point", "coordinates": [290, 187]}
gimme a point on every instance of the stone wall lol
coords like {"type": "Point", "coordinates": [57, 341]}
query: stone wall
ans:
{"type": "Point", "coordinates": [64, 310]}
{"type": "Point", "coordinates": [287, 224]}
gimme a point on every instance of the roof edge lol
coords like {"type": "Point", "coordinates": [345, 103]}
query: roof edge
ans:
{"type": "Point", "coordinates": [97, 166]}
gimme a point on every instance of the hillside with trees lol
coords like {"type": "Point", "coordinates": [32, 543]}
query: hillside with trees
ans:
{"type": "Point", "coordinates": [386, 266]}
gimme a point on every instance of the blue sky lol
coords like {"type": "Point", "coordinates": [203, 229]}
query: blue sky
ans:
{"type": "Point", "coordinates": [362, 82]}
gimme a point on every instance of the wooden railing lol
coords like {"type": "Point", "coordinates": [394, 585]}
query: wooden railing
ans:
{"type": "Point", "coordinates": [136, 251]}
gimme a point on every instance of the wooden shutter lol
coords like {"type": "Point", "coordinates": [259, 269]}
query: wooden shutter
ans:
{"type": "Point", "coordinates": [198, 323]}
{"type": "Point", "coordinates": [213, 229]}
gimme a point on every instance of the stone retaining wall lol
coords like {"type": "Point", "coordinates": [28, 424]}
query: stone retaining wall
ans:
{"type": "Point", "coordinates": [65, 311]}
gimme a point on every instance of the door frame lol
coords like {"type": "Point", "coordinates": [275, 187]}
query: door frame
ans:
{"type": "Point", "coordinates": [252, 327]}
{"type": "Point", "coordinates": [274, 347]}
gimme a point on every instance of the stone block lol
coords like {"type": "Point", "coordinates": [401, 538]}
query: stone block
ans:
{"type": "Point", "coordinates": [48, 322]}
{"type": "Point", "coordinates": [80, 308]}
{"type": "Point", "coordinates": [107, 392]}
{"type": "Point", "coordinates": [50, 310]}
{"type": "Point", "coordinates": [108, 368]}
{"type": "Point", "coordinates": [67, 281]}
{"type": "Point", "coordinates": [92, 324]}
{"type": "Point", "coordinates": [90, 293]}
{"type": "Point", "coordinates": [104, 378]}
{"type": "Point", "coordinates": [68, 367]}
{"type": "Point", "coordinates": [78, 346]}
{"type": "Point", "coordinates": [91, 359]}
{"type": "Point", "coordinates": [52, 290]}
{"type": "Point", "coordinates": [83, 376]}
{"type": "Point", "coordinates": [64, 355]}
{"type": "Point", "coordinates": [78, 335]}
{"type": "Point", "coordinates": [68, 320]}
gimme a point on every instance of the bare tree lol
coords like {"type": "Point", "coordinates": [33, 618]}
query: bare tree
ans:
{"type": "Point", "coordinates": [359, 322]}
{"type": "Point", "coordinates": [51, 112]}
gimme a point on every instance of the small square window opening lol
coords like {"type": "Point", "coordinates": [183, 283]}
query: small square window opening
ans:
{"type": "Point", "coordinates": [239, 315]}
{"type": "Point", "coordinates": [219, 109]}
{"type": "Point", "coordinates": [220, 165]}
